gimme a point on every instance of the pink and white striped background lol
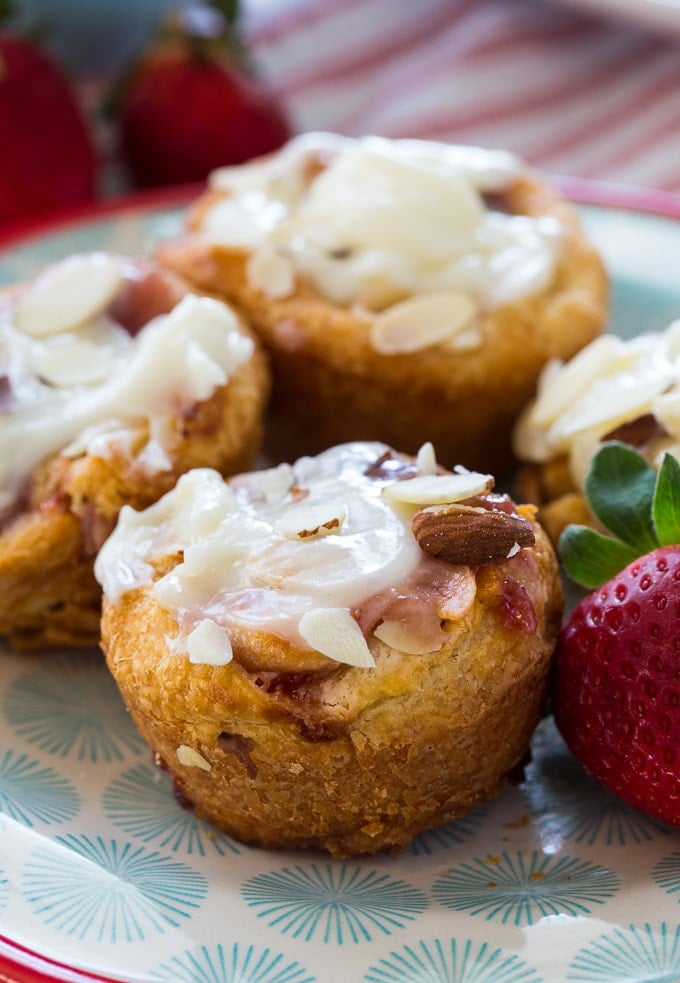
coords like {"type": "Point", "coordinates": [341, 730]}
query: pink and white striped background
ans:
{"type": "Point", "coordinates": [573, 93]}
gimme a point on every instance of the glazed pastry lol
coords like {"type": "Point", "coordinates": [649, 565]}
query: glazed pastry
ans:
{"type": "Point", "coordinates": [406, 290]}
{"type": "Point", "coordinates": [114, 379]}
{"type": "Point", "coordinates": [612, 390]}
{"type": "Point", "coordinates": [337, 654]}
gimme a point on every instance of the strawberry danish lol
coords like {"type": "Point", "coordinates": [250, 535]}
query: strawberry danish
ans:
{"type": "Point", "coordinates": [340, 653]}
{"type": "Point", "coordinates": [407, 290]}
{"type": "Point", "coordinates": [114, 379]}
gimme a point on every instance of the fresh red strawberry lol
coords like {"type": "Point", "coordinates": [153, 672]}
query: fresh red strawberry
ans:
{"type": "Point", "coordinates": [47, 157]}
{"type": "Point", "coordinates": [189, 106]}
{"type": "Point", "coordinates": [616, 685]}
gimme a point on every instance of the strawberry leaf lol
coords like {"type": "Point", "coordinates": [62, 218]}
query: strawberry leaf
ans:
{"type": "Point", "coordinates": [666, 504]}
{"type": "Point", "coordinates": [592, 559]}
{"type": "Point", "coordinates": [620, 490]}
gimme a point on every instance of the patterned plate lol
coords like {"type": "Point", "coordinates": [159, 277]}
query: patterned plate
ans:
{"type": "Point", "coordinates": [104, 875]}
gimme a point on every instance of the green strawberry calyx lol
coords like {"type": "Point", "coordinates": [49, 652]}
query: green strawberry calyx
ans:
{"type": "Point", "coordinates": [637, 505]}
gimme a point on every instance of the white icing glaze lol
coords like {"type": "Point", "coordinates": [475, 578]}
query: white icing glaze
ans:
{"type": "Point", "coordinates": [95, 387]}
{"type": "Point", "coordinates": [242, 567]}
{"type": "Point", "coordinates": [385, 219]}
{"type": "Point", "coordinates": [608, 383]}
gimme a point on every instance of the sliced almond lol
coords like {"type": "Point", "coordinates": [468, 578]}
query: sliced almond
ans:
{"type": "Point", "coordinates": [438, 489]}
{"type": "Point", "coordinates": [459, 596]}
{"type": "Point", "coordinates": [405, 639]}
{"type": "Point", "coordinates": [271, 484]}
{"type": "Point", "coordinates": [466, 341]}
{"type": "Point", "coordinates": [267, 270]}
{"type": "Point", "coordinates": [69, 294]}
{"type": "Point", "coordinates": [422, 322]}
{"type": "Point", "coordinates": [471, 537]}
{"type": "Point", "coordinates": [83, 358]}
{"type": "Point", "coordinates": [310, 521]}
{"type": "Point", "coordinates": [335, 633]}
{"type": "Point", "coordinates": [609, 406]}
{"type": "Point", "coordinates": [209, 644]}
{"type": "Point", "coordinates": [426, 460]}
{"type": "Point", "coordinates": [192, 759]}
{"type": "Point", "coordinates": [558, 390]}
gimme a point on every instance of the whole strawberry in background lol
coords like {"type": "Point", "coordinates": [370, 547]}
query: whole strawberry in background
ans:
{"type": "Point", "coordinates": [616, 684]}
{"type": "Point", "coordinates": [191, 104]}
{"type": "Point", "coordinates": [47, 158]}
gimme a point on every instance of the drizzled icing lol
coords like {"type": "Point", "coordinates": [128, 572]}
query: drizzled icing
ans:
{"type": "Point", "coordinates": [293, 551]}
{"type": "Point", "coordinates": [89, 385]}
{"type": "Point", "coordinates": [381, 220]}
{"type": "Point", "coordinates": [608, 383]}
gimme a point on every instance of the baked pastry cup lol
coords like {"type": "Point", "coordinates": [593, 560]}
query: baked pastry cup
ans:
{"type": "Point", "coordinates": [338, 654]}
{"type": "Point", "coordinates": [115, 379]}
{"type": "Point", "coordinates": [406, 290]}
{"type": "Point", "coordinates": [614, 389]}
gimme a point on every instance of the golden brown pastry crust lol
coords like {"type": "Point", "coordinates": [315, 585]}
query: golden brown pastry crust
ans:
{"type": "Point", "coordinates": [350, 760]}
{"type": "Point", "coordinates": [48, 594]}
{"type": "Point", "coordinates": [551, 489]}
{"type": "Point", "coordinates": [330, 385]}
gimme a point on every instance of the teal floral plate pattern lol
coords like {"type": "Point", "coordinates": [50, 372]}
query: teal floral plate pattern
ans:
{"type": "Point", "coordinates": [104, 875]}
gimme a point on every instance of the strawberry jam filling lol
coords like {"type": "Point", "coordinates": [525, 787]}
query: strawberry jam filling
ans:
{"type": "Point", "coordinates": [145, 293]}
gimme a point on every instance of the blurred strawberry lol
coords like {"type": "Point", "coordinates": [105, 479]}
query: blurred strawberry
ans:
{"type": "Point", "coordinates": [190, 104]}
{"type": "Point", "coordinates": [47, 157]}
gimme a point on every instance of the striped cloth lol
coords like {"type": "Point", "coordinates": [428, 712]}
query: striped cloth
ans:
{"type": "Point", "coordinates": [571, 93]}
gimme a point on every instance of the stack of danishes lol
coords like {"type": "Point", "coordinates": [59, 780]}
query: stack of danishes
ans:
{"type": "Point", "coordinates": [348, 649]}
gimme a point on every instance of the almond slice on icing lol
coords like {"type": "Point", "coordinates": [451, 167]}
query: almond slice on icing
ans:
{"type": "Point", "coordinates": [69, 294]}
{"type": "Point", "coordinates": [466, 341]}
{"type": "Point", "coordinates": [270, 272]}
{"type": "Point", "coordinates": [422, 322]}
{"type": "Point", "coordinates": [271, 484]}
{"type": "Point", "coordinates": [438, 489]}
{"type": "Point", "coordinates": [209, 644]}
{"type": "Point", "coordinates": [335, 633]}
{"type": "Point", "coordinates": [559, 389]}
{"type": "Point", "coordinates": [426, 460]}
{"type": "Point", "coordinates": [310, 521]}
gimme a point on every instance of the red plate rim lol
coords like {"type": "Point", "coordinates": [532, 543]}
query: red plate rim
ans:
{"type": "Point", "coordinates": [19, 964]}
{"type": "Point", "coordinates": [20, 231]}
